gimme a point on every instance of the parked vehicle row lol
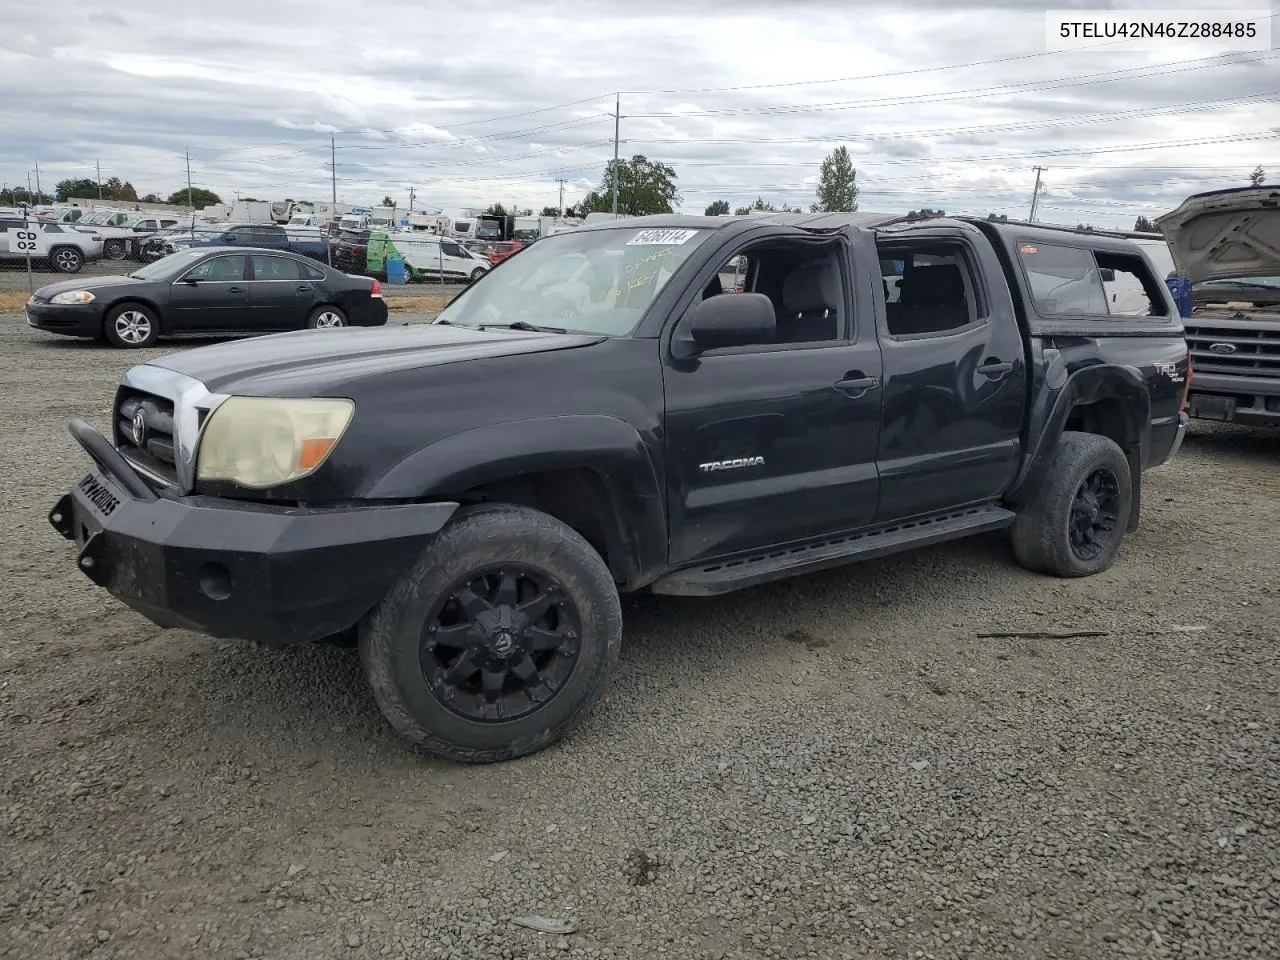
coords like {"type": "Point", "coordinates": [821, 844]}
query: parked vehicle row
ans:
{"type": "Point", "coordinates": [64, 248]}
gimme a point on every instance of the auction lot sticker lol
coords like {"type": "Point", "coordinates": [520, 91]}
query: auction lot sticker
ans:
{"type": "Point", "coordinates": [667, 238]}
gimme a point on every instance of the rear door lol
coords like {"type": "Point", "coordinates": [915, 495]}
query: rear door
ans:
{"type": "Point", "coordinates": [954, 374]}
{"type": "Point", "coordinates": [279, 294]}
{"type": "Point", "coordinates": [211, 296]}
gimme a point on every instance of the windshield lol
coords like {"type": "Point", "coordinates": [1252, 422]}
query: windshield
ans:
{"type": "Point", "coordinates": [592, 281]}
{"type": "Point", "coordinates": [167, 267]}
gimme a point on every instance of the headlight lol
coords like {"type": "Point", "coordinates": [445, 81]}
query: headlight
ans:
{"type": "Point", "coordinates": [73, 296]}
{"type": "Point", "coordinates": [263, 442]}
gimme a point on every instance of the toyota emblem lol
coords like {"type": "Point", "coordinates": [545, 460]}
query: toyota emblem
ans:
{"type": "Point", "coordinates": [1222, 348]}
{"type": "Point", "coordinates": [139, 428]}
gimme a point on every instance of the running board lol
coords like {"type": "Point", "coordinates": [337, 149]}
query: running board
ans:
{"type": "Point", "coordinates": [728, 575]}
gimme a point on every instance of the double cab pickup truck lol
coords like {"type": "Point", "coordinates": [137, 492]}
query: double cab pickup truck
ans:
{"type": "Point", "coordinates": [466, 499]}
{"type": "Point", "coordinates": [1227, 243]}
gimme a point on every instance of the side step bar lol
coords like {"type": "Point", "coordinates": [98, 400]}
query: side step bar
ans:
{"type": "Point", "coordinates": [726, 576]}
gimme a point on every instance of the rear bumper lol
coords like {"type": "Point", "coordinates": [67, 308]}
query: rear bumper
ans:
{"type": "Point", "coordinates": [277, 575]}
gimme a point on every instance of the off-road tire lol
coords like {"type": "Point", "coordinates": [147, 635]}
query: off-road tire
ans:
{"type": "Point", "coordinates": [1041, 534]}
{"type": "Point", "coordinates": [477, 538]}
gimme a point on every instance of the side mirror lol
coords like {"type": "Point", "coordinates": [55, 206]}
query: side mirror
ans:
{"type": "Point", "coordinates": [1108, 275]}
{"type": "Point", "coordinates": [732, 320]}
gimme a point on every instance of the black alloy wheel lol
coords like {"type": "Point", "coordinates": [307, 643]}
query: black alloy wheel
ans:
{"type": "Point", "coordinates": [501, 643]}
{"type": "Point", "coordinates": [1095, 513]}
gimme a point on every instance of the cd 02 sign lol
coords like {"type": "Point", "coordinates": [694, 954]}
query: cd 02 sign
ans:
{"type": "Point", "coordinates": [26, 241]}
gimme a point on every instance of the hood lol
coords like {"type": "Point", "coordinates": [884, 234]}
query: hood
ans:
{"type": "Point", "coordinates": [84, 283]}
{"type": "Point", "coordinates": [1226, 234]}
{"type": "Point", "coordinates": [309, 362]}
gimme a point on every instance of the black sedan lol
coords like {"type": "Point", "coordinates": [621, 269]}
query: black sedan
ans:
{"type": "Point", "coordinates": [212, 292]}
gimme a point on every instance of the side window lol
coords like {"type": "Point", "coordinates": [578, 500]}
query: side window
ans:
{"type": "Point", "coordinates": [52, 228]}
{"type": "Point", "coordinates": [1064, 281]}
{"type": "Point", "coordinates": [804, 283]}
{"type": "Point", "coordinates": [218, 270]}
{"type": "Point", "coordinates": [452, 250]}
{"type": "Point", "coordinates": [928, 290]}
{"type": "Point", "coordinates": [310, 272]}
{"type": "Point", "coordinates": [274, 268]}
{"type": "Point", "coordinates": [1131, 289]}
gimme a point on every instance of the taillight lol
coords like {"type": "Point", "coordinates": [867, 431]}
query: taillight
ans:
{"type": "Point", "coordinates": [1186, 387]}
{"type": "Point", "coordinates": [377, 288]}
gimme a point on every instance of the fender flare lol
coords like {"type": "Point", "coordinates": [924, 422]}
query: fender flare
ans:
{"type": "Point", "coordinates": [636, 524]}
{"type": "Point", "coordinates": [1062, 393]}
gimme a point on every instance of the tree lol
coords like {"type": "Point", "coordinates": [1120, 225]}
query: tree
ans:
{"type": "Point", "coordinates": [126, 192]}
{"type": "Point", "coordinates": [199, 198]}
{"type": "Point", "coordinates": [387, 202]}
{"type": "Point", "coordinates": [717, 209]}
{"type": "Point", "coordinates": [644, 186]}
{"type": "Point", "coordinates": [1257, 177]}
{"type": "Point", "coordinates": [1143, 225]}
{"type": "Point", "coordinates": [496, 210]}
{"type": "Point", "coordinates": [837, 184]}
{"type": "Point", "coordinates": [80, 189]}
{"type": "Point", "coordinates": [151, 198]}
{"type": "Point", "coordinates": [550, 212]}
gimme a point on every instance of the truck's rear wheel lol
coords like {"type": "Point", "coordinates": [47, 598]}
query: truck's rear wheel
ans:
{"type": "Point", "coordinates": [1075, 524]}
{"type": "Point", "coordinates": [498, 641]}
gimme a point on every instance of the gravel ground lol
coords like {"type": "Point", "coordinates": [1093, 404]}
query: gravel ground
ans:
{"type": "Point", "coordinates": [837, 767]}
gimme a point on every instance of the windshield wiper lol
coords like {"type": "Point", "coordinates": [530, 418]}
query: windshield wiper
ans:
{"type": "Point", "coordinates": [523, 325]}
{"type": "Point", "coordinates": [1244, 283]}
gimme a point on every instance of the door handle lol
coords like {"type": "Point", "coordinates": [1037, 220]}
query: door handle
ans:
{"type": "Point", "coordinates": [235, 290]}
{"type": "Point", "coordinates": [995, 369]}
{"type": "Point", "coordinates": [304, 288]}
{"type": "Point", "coordinates": [856, 387]}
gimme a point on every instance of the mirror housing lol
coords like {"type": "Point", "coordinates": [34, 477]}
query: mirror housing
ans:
{"type": "Point", "coordinates": [732, 320]}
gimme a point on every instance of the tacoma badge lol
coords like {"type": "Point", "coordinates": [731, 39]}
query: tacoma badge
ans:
{"type": "Point", "coordinates": [738, 464]}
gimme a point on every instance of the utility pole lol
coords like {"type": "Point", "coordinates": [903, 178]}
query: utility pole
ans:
{"type": "Point", "coordinates": [560, 209]}
{"type": "Point", "coordinates": [617, 120]}
{"type": "Point", "coordinates": [29, 188]}
{"type": "Point", "coordinates": [333, 180]}
{"type": "Point", "coordinates": [1035, 193]}
{"type": "Point", "coordinates": [39, 192]}
{"type": "Point", "coordinates": [98, 165]}
{"type": "Point", "coordinates": [411, 199]}
{"type": "Point", "coordinates": [189, 203]}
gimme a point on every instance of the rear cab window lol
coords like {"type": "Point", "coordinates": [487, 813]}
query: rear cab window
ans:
{"type": "Point", "coordinates": [1070, 281]}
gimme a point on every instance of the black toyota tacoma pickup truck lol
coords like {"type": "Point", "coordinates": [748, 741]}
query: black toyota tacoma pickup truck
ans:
{"type": "Point", "coordinates": [466, 499]}
{"type": "Point", "coordinates": [1227, 243]}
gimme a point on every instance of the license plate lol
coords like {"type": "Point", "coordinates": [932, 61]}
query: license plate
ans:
{"type": "Point", "coordinates": [1213, 408]}
{"type": "Point", "coordinates": [97, 500]}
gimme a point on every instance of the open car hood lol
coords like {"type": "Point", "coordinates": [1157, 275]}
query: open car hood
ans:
{"type": "Point", "coordinates": [1225, 234]}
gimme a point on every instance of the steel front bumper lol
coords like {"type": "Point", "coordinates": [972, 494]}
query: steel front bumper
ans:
{"type": "Point", "coordinates": [278, 575]}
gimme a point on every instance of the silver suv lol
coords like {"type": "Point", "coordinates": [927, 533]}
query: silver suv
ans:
{"type": "Point", "coordinates": [64, 248]}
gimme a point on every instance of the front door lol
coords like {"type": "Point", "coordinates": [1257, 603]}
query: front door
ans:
{"type": "Point", "coordinates": [457, 264]}
{"type": "Point", "coordinates": [278, 293]}
{"type": "Point", "coordinates": [777, 442]}
{"type": "Point", "coordinates": [211, 296]}
{"type": "Point", "coordinates": [954, 379]}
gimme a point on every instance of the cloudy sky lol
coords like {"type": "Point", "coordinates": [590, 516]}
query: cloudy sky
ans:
{"type": "Point", "coordinates": [943, 104]}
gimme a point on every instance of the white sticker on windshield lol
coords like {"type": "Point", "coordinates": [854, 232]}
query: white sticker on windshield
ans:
{"type": "Point", "coordinates": [666, 238]}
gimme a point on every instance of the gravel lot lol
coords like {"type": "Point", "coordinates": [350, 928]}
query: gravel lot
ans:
{"type": "Point", "coordinates": [838, 767]}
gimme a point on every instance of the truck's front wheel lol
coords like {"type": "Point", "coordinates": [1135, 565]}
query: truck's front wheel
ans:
{"type": "Point", "coordinates": [498, 641]}
{"type": "Point", "coordinates": [1075, 524]}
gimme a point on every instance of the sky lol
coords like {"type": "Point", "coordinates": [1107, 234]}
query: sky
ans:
{"type": "Point", "coordinates": [942, 104]}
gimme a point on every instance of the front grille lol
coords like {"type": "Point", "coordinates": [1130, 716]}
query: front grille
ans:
{"type": "Point", "coordinates": [156, 452]}
{"type": "Point", "coordinates": [1252, 347]}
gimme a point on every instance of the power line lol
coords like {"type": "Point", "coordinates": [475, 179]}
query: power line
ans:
{"type": "Point", "coordinates": [1088, 79]}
